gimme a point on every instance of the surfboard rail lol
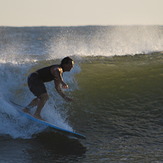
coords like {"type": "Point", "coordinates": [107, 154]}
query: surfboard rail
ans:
{"type": "Point", "coordinates": [43, 122]}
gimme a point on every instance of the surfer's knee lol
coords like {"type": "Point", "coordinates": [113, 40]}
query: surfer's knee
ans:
{"type": "Point", "coordinates": [44, 97]}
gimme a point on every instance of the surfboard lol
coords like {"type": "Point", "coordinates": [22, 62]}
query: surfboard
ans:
{"type": "Point", "coordinates": [43, 122]}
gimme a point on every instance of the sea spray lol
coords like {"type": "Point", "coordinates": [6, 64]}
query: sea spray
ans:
{"type": "Point", "coordinates": [106, 41]}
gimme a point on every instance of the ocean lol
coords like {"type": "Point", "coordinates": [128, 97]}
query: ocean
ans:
{"type": "Point", "coordinates": [116, 84]}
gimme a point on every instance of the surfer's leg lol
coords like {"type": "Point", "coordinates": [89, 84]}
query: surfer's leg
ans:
{"type": "Point", "coordinates": [41, 102]}
{"type": "Point", "coordinates": [32, 104]}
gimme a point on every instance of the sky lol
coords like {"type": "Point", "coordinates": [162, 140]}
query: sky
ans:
{"type": "Point", "coordinates": [80, 12]}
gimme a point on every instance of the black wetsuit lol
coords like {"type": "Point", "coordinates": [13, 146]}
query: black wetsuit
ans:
{"type": "Point", "coordinates": [36, 80]}
{"type": "Point", "coordinates": [45, 74]}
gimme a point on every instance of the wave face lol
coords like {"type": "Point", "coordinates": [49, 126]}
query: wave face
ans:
{"type": "Point", "coordinates": [116, 82]}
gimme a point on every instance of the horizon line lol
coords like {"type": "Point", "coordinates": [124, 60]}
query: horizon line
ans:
{"type": "Point", "coordinates": [81, 25]}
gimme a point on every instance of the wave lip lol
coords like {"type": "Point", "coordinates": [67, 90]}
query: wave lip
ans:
{"type": "Point", "coordinates": [43, 43]}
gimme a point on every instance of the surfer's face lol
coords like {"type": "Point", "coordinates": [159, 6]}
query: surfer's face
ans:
{"type": "Point", "coordinates": [69, 66]}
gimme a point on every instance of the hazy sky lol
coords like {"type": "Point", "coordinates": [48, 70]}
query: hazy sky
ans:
{"type": "Point", "coordinates": [80, 12]}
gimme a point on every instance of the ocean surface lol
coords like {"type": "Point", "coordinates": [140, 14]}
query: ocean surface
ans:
{"type": "Point", "coordinates": [116, 84]}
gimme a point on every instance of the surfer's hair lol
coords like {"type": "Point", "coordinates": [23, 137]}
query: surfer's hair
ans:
{"type": "Point", "coordinates": [66, 60]}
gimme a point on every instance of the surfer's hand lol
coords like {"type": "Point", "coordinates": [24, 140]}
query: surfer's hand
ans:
{"type": "Point", "coordinates": [64, 85]}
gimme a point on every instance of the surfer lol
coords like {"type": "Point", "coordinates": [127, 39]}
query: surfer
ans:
{"type": "Point", "coordinates": [37, 79]}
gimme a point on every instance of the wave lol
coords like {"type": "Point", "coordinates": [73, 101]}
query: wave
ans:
{"type": "Point", "coordinates": [94, 49]}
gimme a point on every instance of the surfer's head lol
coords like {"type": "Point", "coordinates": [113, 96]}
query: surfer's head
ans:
{"type": "Point", "coordinates": [67, 64]}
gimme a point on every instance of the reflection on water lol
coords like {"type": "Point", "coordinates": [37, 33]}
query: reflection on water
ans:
{"type": "Point", "coordinates": [45, 147]}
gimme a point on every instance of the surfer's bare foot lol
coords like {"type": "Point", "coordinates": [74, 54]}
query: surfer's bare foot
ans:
{"type": "Point", "coordinates": [26, 110]}
{"type": "Point", "coordinates": [38, 116]}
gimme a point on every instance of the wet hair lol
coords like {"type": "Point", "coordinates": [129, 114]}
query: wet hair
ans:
{"type": "Point", "coordinates": [66, 60]}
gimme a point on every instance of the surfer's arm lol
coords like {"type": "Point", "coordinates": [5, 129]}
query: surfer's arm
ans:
{"type": "Point", "coordinates": [59, 90]}
{"type": "Point", "coordinates": [58, 77]}
{"type": "Point", "coordinates": [58, 81]}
